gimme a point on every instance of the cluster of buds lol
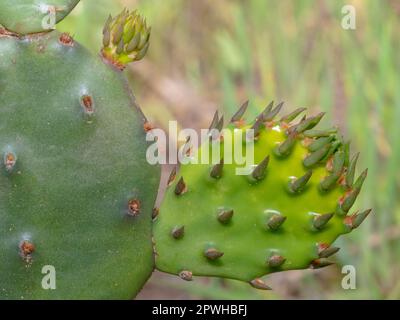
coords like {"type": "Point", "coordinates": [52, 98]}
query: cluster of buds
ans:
{"type": "Point", "coordinates": [125, 38]}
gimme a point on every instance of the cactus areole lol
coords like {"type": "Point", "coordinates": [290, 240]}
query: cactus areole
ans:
{"type": "Point", "coordinates": [77, 193]}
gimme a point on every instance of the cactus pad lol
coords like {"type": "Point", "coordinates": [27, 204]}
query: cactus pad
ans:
{"type": "Point", "coordinates": [31, 16]}
{"type": "Point", "coordinates": [125, 38]}
{"type": "Point", "coordinates": [76, 191]}
{"type": "Point", "coordinates": [284, 214]}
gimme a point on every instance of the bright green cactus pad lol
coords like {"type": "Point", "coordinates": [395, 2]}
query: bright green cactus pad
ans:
{"type": "Point", "coordinates": [76, 191]}
{"type": "Point", "coordinates": [216, 223]}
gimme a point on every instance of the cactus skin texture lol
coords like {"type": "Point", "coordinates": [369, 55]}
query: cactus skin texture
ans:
{"type": "Point", "coordinates": [26, 16]}
{"type": "Point", "coordinates": [76, 191]}
{"type": "Point", "coordinates": [284, 215]}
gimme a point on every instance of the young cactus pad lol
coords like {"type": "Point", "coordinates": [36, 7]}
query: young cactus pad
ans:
{"type": "Point", "coordinates": [29, 16]}
{"type": "Point", "coordinates": [283, 215]}
{"type": "Point", "coordinates": [76, 191]}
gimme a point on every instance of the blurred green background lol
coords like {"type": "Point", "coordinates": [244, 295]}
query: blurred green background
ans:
{"type": "Point", "coordinates": [209, 54]}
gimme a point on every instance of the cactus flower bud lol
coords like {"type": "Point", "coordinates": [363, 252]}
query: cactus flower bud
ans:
{"type": "Point", "coordinates": [125, 38]}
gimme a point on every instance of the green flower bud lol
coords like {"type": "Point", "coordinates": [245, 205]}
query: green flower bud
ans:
{"type": "Point", "coordinates": [125, 38]}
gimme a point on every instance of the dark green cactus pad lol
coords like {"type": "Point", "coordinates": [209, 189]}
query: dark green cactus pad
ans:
{"type": "Point", "coordinates": [283, 215]}
{"type": "Point", "coordinates": [29, 16]}
{"type": "Point", "coordinates": [76, 191]}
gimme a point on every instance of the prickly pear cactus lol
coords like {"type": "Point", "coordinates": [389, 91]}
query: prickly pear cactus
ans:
{"type": "Point", "coordinates": [76, 191]}
{"type": "Point", "coordinates": [284, 214]}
